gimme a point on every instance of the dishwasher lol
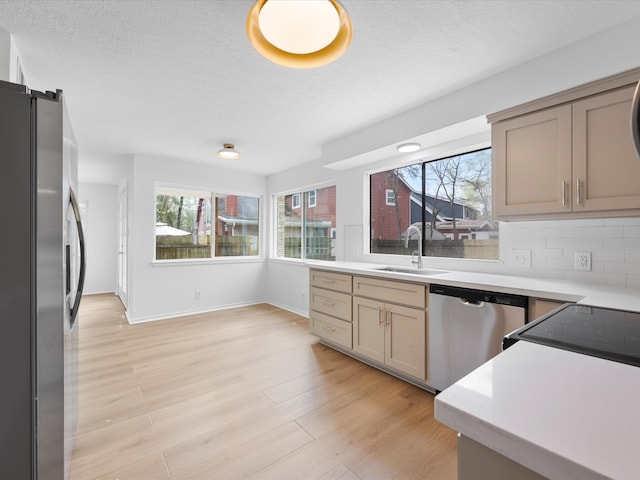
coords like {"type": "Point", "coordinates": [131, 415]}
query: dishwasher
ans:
{"type": "Point", "coordinates": [466, 328]}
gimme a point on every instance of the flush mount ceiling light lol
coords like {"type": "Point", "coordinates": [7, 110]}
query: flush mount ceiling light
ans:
{"type": "Point", "coordinates": [228, 151]}
{"type": "Point", "coordinates": [299, 34]}
{"type": "Point", "coordinates": [409, 147]}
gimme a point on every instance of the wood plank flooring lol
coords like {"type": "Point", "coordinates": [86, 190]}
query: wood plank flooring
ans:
{"type": "Point", "coordinates": [242, 393]}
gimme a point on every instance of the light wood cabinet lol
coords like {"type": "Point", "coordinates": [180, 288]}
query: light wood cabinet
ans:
{"type": "Point", "coordinates": [339, 282]}
{"type": "Point", "coordinates": [410, 294]}
{"type": "Point", "coordinates": [531, 158]}
{"type": "Point", "coordinates": [477, 462]}
{"type": "Point", "coordinates": [541, 306]}
{"type": "Point", "coordinates": [605, 165]}
{"type": "Point", "coordinates": [329, 302]}
{"type": "Point", "coordinates": [571, 160]}
{"type": "Point", "coordinates": [330, 307]}
{"type": "Point", "coordinates": [391, 334]}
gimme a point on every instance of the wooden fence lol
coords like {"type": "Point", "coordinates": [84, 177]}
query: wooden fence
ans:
{"type": "Point", "coordinates": [225, 247]}
{"type": "Point", "coordinates": [318, 248]}
{"type": "Point", "coordinates": [477, 249]}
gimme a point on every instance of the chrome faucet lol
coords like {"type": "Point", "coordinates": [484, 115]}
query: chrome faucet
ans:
{"type": "Point", "coordinates": [406, 245]}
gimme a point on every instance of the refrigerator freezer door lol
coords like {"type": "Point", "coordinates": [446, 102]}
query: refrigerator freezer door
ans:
{"type": "Point", "coordinates": [49, 290]}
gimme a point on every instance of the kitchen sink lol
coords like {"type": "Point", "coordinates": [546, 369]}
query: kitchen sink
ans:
{"type": "Point", "coordinates": [411, 271]}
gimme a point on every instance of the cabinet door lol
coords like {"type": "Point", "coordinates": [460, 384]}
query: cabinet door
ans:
{"type": "Point", "coordinates": [605, 165]}
{"type": "Point", "coordinates": [368, 328]}
{"type": "Point", "coordinates": [405, 340]}
{"type": "Point", "coordinates": [532, 163]}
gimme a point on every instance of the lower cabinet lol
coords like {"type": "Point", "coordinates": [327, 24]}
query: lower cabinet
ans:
{"type": "Point", "coordinates": [391, 334]}
{"type": "Point", "coordinates": [541, 306]}
{"type": "Point", "coordinates": [477, 462]}
{"type": "Point", "coordinates": [330, 328]}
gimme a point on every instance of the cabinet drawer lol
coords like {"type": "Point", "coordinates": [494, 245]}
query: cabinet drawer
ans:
{"type": "Point", "coordinates": [333, 281]}
{"type": "Point", "coordinates": [390, 291]}
{"type": "Point", "coordinates": [334, 330]}
{"type": "Point", "coordinates": [332, 303]}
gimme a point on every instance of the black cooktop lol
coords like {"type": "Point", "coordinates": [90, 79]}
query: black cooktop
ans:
{"type": "Point", "coordinates": [599, 332]}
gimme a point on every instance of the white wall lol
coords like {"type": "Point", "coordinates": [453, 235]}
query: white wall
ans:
{"type": "Point", "coordinates": [100, 222]}
{"type": "Point", "coordinates": [5, 55]}
{"type": "Point", "coordinates": [614, 243]}
{"type": "Point", "coordinates": [160, 290]}
{"type": "Point", "coordinates": [8, 58]}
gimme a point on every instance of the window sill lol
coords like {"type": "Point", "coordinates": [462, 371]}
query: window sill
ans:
{"type": "Point", "coordinates": [205, 261]}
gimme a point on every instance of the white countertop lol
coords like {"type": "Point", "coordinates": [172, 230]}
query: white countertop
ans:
{"type": "Point", "coordinates": [585, 293]}
{"type": "Point", "coordinates": [562, 414]}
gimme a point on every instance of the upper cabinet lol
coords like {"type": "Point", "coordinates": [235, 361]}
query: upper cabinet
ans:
{"type": "Point", "coordinates": [573, 156]}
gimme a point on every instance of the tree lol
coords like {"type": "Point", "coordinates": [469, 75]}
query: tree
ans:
{"type": "Point", "coordinates": [447, 172]}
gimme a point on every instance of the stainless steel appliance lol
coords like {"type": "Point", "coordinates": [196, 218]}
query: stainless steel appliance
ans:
{"type": "Point", "coordinates": [42, 273]}
{"type": "Point", "coordinates": [599, 332]}
{"type": "Point", "coordinates": [466, 328]}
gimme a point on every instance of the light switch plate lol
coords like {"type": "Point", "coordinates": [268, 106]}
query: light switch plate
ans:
{"type": "Point", "coordinates": [583, 261]}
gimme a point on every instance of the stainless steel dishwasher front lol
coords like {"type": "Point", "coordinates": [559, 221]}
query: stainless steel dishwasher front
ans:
{"type": "Point", "coordinates": [466, 328]}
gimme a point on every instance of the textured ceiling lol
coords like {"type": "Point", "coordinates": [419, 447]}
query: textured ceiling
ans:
{"type": "Point", "coordinates": [179, 78]}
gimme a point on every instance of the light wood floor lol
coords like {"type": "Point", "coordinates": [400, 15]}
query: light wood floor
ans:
{"type": "Point", "coordinates": [243, 393]}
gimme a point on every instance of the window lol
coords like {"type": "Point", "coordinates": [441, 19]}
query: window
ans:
{"type": "Point", "coordinates": [237, 227]}
{"type": "Point", "coordinates": [306, 233]}
{"type": "Point", "coordinates": [295, 200]}
{"type": "Point", "coordinates": [391, 197]}
{"type": "Point", "coordinates": [184, 225]}
{"type": "Point", "coordinates": [453, 211]}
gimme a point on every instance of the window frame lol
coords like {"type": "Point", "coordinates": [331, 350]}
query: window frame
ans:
{"type": "Point", "coordinates": [301, 193]}
{"type": "Point", "coordinates": [421, 164]}
{"type": "Point", "coordinates": [295, 201]}
{"type": "Point", "coordinates": [388, 202]}
{"type": "Point", "coordinates": [309, 195]}
{"type": "Point", "coordinates": [213, 196]}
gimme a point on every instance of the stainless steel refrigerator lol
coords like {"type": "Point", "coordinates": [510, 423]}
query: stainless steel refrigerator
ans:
{"type": "Point", "coordinates": [41, 277]}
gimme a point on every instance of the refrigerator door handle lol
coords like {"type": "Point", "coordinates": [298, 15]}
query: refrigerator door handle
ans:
{"type": "Point", "coordinates": [76, 214]}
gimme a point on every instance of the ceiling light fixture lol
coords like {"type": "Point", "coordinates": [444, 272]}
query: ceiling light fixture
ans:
{"type": "Point", "coordinates": [299, 34]}
{"type": "Point", "coordinates": [409, 147]}
{"type": "Point", "coordinates": [228, 151]}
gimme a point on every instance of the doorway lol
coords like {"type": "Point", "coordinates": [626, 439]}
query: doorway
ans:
{"type": "Point", "coordinates": [123, 231]}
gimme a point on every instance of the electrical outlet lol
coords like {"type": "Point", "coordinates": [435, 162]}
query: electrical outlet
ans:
{"type": "Point", "coordinates": [521, 258]}
{"type": "Point", "coordinates": [197, 295]}
{"type": "Point", "coordinates": [583, 261]}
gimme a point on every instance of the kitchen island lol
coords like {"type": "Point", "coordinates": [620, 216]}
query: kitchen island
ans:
{"type": "Point", "coordinates": [561, 414]}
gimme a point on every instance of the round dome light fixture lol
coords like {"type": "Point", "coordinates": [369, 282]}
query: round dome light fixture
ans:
{"type": "Point", "coordinates": [299, 34]}
{"type": "Point", "coordinates": [228, 151]}
{"type": "Point", "coordinates": [409, 147]}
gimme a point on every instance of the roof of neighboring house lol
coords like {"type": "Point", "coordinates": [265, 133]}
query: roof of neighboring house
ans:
{"type": "Point", "coordinates": [442, 206]}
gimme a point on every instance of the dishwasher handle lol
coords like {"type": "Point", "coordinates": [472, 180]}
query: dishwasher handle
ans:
{"type": "Point", "coordinates": [472, 303]}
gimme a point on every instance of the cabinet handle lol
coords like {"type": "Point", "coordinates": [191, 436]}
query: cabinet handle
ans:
{"type": "Point", "coordinates": [328, 328]}
{"type": "Point", "coordinates": [380, 320]}
{"type": "Point", "coordinates": [564, 193]}
{"type": "Point", "coordinates": [330, 281]}
{"type": "Point", "coordinates": [388, 317]}
{"type": "Point", "coordinates": [578, 191]}
{"type": "Point", "coordinates": [328, 302]}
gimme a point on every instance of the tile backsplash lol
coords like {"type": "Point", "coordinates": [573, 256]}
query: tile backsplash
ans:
{"type": "Point", "coordinates": [614, 245]}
